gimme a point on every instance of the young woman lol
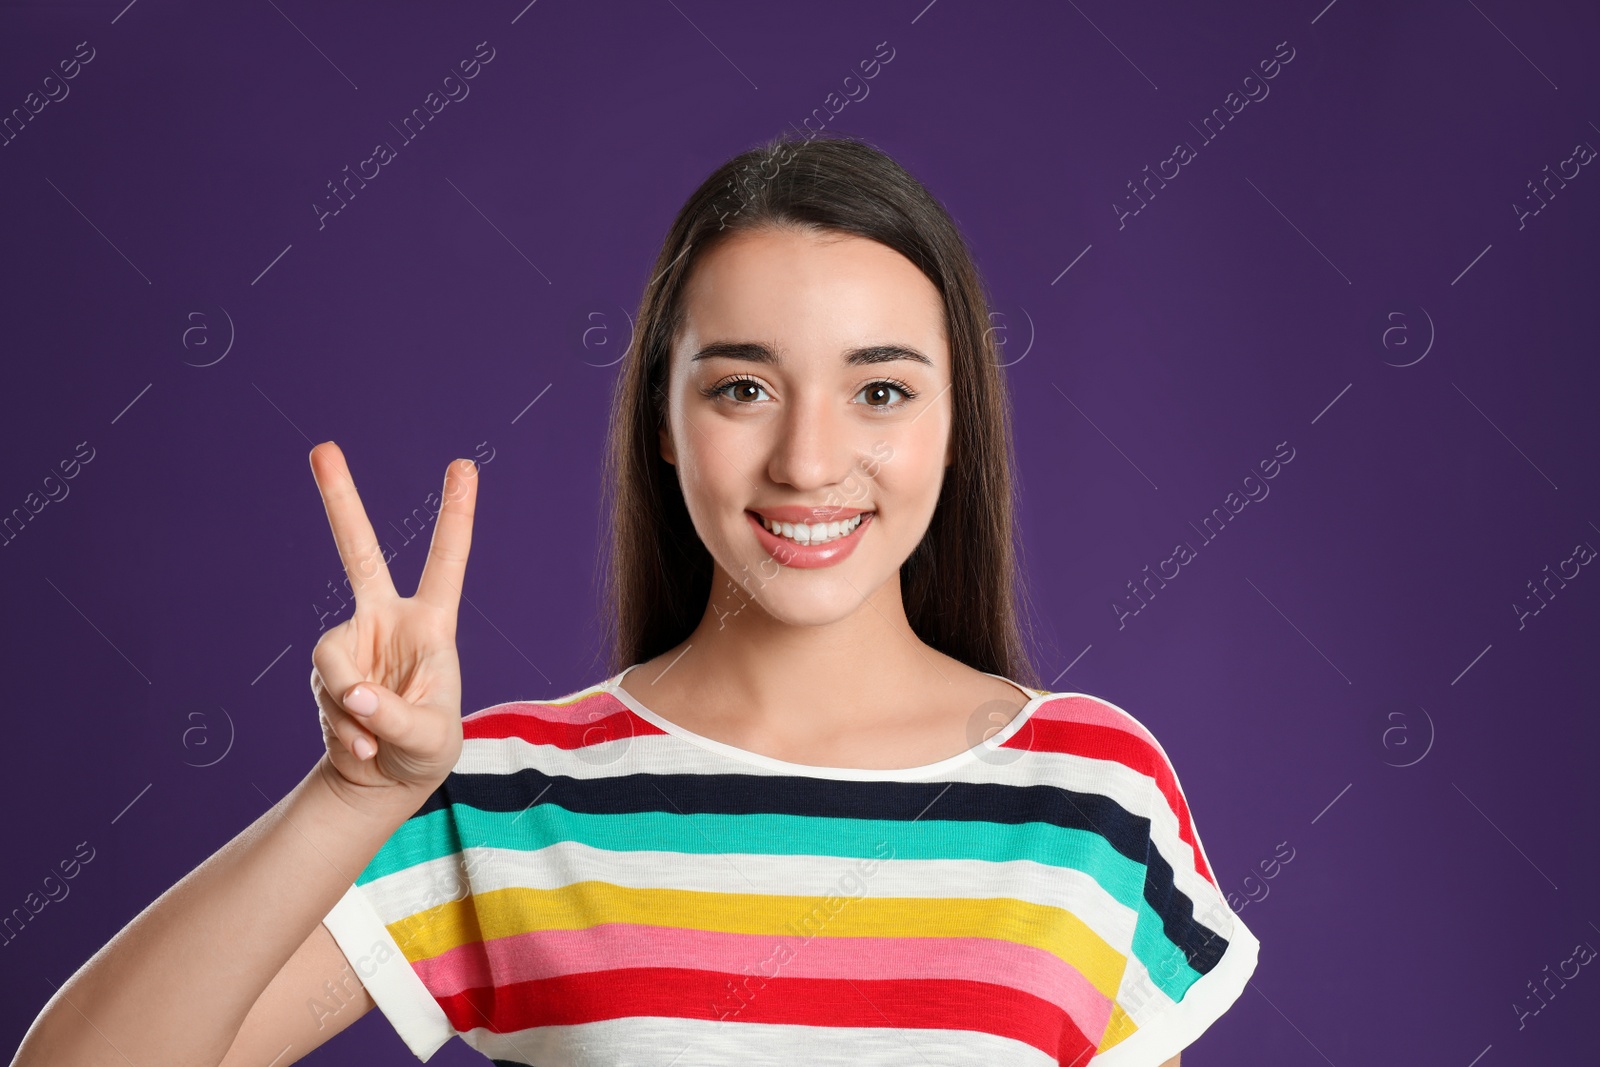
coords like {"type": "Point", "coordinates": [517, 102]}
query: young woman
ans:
{"type": "Point", "coordinates": [818, 813]}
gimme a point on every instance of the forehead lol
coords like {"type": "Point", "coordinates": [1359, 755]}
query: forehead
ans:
{"type": "Point", "coordinates": [815, 294]}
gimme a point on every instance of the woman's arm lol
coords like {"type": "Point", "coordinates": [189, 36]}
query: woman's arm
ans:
{"type": "Point", "coordinates": [296, 1014]}
{"type": "Point", "coordinates": [176, 984]}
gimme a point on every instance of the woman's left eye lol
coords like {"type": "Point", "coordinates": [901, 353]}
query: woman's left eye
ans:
{"type": "Point", "coordinates": [878, 394]}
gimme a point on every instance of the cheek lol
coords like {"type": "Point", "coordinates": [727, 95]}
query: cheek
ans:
{"type": "Point", "coordinates": [907, 486]}
{"type": "Point", "coordinates": [910, 492]}
{"type": "Point", "coordinates": [707, 465]}
{"type": "Point", "coordinates": [915, 468]}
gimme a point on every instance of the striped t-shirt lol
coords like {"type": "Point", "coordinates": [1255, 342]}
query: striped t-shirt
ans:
{"type": "Point", "coordinates": [595, 885]}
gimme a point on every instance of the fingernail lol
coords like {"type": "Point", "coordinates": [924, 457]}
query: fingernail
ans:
{"type": "Point", "coordinates": [361, 701]}
{"type": "Point", "coordinates": [363, 747]}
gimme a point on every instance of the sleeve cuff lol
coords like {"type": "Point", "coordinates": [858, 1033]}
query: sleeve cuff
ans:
{"type": "Point", "coordinates": [387, 975]}
{"type": "Point", "coordinates": [1158, 1041]}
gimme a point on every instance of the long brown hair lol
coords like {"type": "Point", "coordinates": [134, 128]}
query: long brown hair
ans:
{"type": "Point", "coordinates": [962, 585]}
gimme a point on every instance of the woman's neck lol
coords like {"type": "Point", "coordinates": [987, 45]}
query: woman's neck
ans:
{"type": "Point", "coordinates": [844, 690]}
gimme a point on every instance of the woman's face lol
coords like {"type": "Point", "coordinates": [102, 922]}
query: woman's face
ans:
{"type": "Point", "coordinates": [810, 382]}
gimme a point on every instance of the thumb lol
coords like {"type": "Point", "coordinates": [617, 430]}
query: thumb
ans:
{"type": "Point", "coordinates": [380, 710]}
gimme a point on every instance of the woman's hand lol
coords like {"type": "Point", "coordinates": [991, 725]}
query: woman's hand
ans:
{"type": "Point", "coordinates": [387, 679]}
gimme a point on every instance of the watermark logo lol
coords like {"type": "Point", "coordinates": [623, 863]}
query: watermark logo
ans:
{"type": "Point", "coordinates": [1012, 340]}
{"type": "Point", "coordinates": [203, 749]}
{"type": "Point", "coordinates": [197, 338]}
{"type": "Point", "coordinates": [1407, 339]}
{"type": "Point", "coordinates": [598, 341]}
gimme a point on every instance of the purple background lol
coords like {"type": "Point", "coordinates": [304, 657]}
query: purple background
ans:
{"type": "Point", "coordinates": [1359, 618]}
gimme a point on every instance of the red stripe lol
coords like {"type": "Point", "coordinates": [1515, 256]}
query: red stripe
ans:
{"type": "Point", "coordinates": [927, 1003]}
{"type": "Point", "coordinates": [1103, 742]}
{"type": "Point", "coordinates": [615, 726]}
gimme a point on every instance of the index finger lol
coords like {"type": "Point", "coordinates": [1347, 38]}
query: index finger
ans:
{"type": "Point", "coordinates": [352, 532]}
{"type": "Point", "coordinates": [446, 566]}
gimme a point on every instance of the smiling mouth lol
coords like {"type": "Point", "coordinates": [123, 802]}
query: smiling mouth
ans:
{"type": "Point", "coordinates": [816, 533]}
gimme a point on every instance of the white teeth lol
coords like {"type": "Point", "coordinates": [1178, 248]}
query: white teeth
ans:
{"type": "Point", "coordinates": [814, 533]}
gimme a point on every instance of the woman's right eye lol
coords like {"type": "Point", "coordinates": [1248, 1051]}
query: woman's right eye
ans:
{"type": "Point", "coordinates": [741, 390]}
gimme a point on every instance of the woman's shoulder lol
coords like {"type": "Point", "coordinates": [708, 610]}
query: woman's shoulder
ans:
{"type": "Point", "coordinates": [1084, 726]}
{"type": "Point", "coordinates": [576, 703]}
{"type": "Point", "coordinates": [1087, 717]}
{"type": "Point", "coordinates": [580, 718]}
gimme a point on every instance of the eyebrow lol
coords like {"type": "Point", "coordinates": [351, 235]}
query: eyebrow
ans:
{"type": "Point", "coordinates": [757, 352]}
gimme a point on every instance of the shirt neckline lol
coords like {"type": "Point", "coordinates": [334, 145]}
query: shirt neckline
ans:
{"type": "Point", "coordinates": [1036, 697]}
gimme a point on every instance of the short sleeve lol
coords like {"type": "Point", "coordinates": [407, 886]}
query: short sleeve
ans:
{"type": "Point", "coordinates": [1192, 955]}
{"type": "Point", "coordinates": [402, 925]}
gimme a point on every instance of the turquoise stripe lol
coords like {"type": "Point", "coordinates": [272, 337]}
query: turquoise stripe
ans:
{"type": "Point", "coordinates": [438, 834]}
{"type": "Point", "coordinates": [1169, 968]}
{"type": "Point", "coordinates": [435, 835]}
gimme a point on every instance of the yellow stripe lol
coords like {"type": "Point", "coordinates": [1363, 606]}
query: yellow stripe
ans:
{"type": "Point", "coordinates": [512, 911]}
{"type": "Point", "coordinates": [1118, 1029]}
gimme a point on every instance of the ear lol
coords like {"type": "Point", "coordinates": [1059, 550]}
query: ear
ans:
{"type": "Point", "coordinates": [665, 440]}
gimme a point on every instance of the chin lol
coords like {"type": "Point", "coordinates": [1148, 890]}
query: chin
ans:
{"type": "Point", "coordinates": [829, 602]}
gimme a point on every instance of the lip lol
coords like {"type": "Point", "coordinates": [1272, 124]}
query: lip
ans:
{"type": "Point", "coordinates": [795, 513]}
{"type": "Point", "coordinates": [806, 557]}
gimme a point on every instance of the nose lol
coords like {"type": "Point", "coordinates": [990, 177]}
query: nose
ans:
{"type": "Point", "coordinates": [814, 448]}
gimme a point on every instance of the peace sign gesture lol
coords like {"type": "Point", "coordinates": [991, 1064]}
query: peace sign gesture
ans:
{"type": "Point", "coordinates": [388, 679]}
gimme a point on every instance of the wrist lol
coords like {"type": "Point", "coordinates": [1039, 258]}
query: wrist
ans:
{"type": "Point", "coordinates": [389, 805]}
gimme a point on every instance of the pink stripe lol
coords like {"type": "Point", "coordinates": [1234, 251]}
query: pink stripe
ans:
{"type": "Point", "coordinates": [546, 954]}
{"type": "Point", "coordinates": [1087, 709]}
{"type": "Point", "coordinates": [585, 710]}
